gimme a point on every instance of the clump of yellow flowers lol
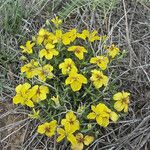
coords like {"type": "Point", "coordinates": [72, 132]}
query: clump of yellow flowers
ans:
{"type": "Point", "coordinates": [66, 82]}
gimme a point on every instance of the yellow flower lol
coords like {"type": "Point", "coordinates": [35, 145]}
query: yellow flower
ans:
{"type": "Point", "coordinates": [58, 36]}
{"type": "Point", "coordinates": [98, 79]}
{"type": "Point", "coordinates": [44, 36]}
{"type": "Point", "coordinates": [71, 120]}
{"type": "Point", "coordinates": [112, 51]}
{"type": "Point", "coordinates": [81, 141]}
{"type": "Point", "coordinates": [24, 95]}
{"type": "Point", "coordinates": [57, 22]}
{"type": "Point", "coordinates": [45, 72]}
{"type": "Point", "coordinates": [78, 51]}
{"type": "Point", "coordinates": [122, 101]}
{"type": "Point", "coordinates": [56, 100]}
{"type": "Point", "coordinates": [48, 128]}
{"type": "Point", "coordinates": [101, 61]}
{"type": "Point", "coordinates": [102, 114]}
{"type": "Point", "coordinates": [68, 133]}
{"type": "Point", "coordinates": [76, 80]}
{"type": "Point", "coordinates": [69, 36]}
{"type": "Point", "coordinates": [91, 36]}
{"type": "Point", "coordinates": [40, 93]}
{"type": "Point", "coordinates": [67, 66]}
{"type": "Point", "coordinates": [48, 52]}
{"type": "Point", "coordinates": [82, 35]}
{"type": "Point", "coordinates": [31, 69]}
{"type": "Point", "coordinates": [35, 114]}
{"type": "Point", "coordinates": [28, 47]}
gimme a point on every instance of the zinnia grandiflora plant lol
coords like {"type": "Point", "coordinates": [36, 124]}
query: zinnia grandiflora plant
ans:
{"type": "Point", "coordinates": [67, 82]}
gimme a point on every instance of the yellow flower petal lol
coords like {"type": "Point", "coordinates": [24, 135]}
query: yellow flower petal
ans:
{"type": "Point", "coordinates": [117, 96]}
{"type": "Point", "coordinates": [125, 94]}
{"type": "Point", "coordinates": [99, 120]}
{"type": "Point", "coordinates": [40, 39]}
{"type": "Point", "coordinates": [18, 88]}
{"type": "Point", "coordinates": [60, 131]}
{"type": "Point", "coordinates": [66, 41]}
{"type": "Point", "coordinates": [68, 81]}
{"type": "Point", "coordinates": [61, 137]}
{"type": "Point", "coordinates": [44, 89]}
{"type": "Point", "coordinates": [102, 65]}
{"type": "Point", "coordinates": [113, 116]}
{"type": "Point", "coordinates": [126, 108]}
{"type": "Point", "coordinates": [88, 140]}
{"type": "Point", "coordinates": [71, 48]}
{"type": "Point", "coordinates": [70, 115]}
{"type": "Point", "coordinates": [41, 129]}
{"type": "Point", "coordinates": [76, 86]}
{"type": "Point", "coordinates": [93, 108]}
{"type": "Point", "coordinates": [93, 60]}
{"type": "Point", "coordinates": [105, 80]}
{"type": "Point", "coordinates": [98, 84]}
{"type": "Point", "coordinates": [26, 86]}
{"type": "Point", "coordinates": [86, 33]}
{"type": "Point", "coordinates": [79, 136]}
{"type": "Point", "coordinates": [82, 79]}
{"type": "Point", "coordinates": [29, 103]}
{"type": "Point", "coordinates": [42, 53]}
{"type": "Point", "coordinates": [78, 50]}
{"type": "Point", "coordinates": [104, 122]}
{"type": "Point", "coordinates": [49, 46]}
{"type": "Point", "coordinates": [91, 115]}
{"type": "Point", "coordinates": [78, 146]}
{"type": "Point", "coordinates": [79, 55]}
{"type": "Point", "coordinates": [49, 56]}
{"type": "Point", "coordinates": [62, 134]}
{"type": "Point", "coordinates": [17, 99]}
{"type": "Point", "coordinates": [72, 139]}
{"type": "Point", "coordinates": [118, 106]}
{"type": "Point", "coordinates": [41, 32]}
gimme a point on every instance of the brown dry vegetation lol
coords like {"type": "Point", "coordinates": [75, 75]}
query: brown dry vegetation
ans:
{"type": "Point", "coordinates": [128, 26]}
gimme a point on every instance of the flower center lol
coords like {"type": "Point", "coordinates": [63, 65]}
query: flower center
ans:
{"type": "Point", "coordinates": [105, 118]}
{"type": "Point", "coordinates": [45, 36]}
{"type": "Point", "coordinates": [71, 121]}
{"type": "Point", "coordinates": [125, 100]}
{"type": "Point", "coordinates": [75, 78]}
{"type": "Point", "coordinates": [77, 50]}
{"type": "Point", "coordinates": [99, 77]}
{"type": "Point", "coordinates": [38, 91]}
{"type": "Point", "coordinates": [99, 60]}
{"type": "Point", "coordinates": [30, 68]}
{"type": "Point", "coordinates": [80, 140]}
{"type": "Point", "coordinates": [111, 48]}
{"type": "Point", "coordinates": [44, 72]}
{"type": "Point", "coordinates": [69, 66]}
{"type": "Point", "coordinates": [47, 129]}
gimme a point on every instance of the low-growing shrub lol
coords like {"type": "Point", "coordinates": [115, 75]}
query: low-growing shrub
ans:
{"type": "Point", "coordinates": [68, 83]}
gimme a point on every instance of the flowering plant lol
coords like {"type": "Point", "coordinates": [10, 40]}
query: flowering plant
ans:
{"type": "Point", "coordinates": [67, 81]}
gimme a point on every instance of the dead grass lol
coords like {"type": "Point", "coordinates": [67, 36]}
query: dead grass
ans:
{"type": "Point", "coordinates": [128, 25]}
